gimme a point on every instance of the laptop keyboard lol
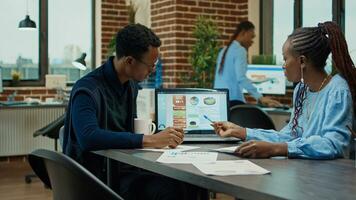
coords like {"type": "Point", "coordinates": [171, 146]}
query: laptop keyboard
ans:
{"type": "Point", "coordinates": [202, 136]}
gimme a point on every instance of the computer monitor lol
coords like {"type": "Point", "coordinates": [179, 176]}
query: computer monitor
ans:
{"type": "Point", "coordinates": [1, 89]}
{"type": "Point", "coordinates": [186, 108]}
{"type": "Point", "coordinates": [268, 79]}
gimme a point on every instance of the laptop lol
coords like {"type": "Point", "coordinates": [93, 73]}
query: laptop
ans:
{"type": "Point", "coordinates": [189, 109]}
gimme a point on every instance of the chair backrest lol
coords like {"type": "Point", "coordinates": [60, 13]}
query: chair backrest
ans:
{"type": "Point", "coordinates": [250, 116]}
{"type": "Point", "coordinates": [67, 179]}
{"type": "Point", "coordinates": [61, 136]}
{"type": "Point", "coordinates": [352, 146]}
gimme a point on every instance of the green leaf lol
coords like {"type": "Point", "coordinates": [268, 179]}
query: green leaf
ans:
{"type": "Point", "coordinates": [204, 52]}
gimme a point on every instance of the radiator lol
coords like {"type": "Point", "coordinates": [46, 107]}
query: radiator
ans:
{"type": "Point", "coordinates": [17, 126]}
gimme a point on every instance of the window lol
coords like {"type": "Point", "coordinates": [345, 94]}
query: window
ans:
{"type": "Point", "coordinates": [66, 29]}
{"type": "Point", "coordinates": [282, 26]}
{"type": "Point", "coordinates": [311, 16]}
{"type": "Point", "coordinates": [69, 35]}
{"type": "Point", "coordinates": [290, 14]}
{"type": "Point", "coordinates": [350, 28]}
{"type": "Point", "coordinates": [19, 49]}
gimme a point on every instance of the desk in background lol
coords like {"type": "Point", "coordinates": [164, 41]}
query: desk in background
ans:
{"type": "Point", "coordinates": [279, 116]}
{"type": "Point", "coordinates": [19, 122]}
{"type": "Point", "coordinates": [289, 178]}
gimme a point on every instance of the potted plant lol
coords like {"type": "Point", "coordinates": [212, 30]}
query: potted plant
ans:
{"type": "Point", "coordinates": [15, 77]}
{"type": "Point", "coordinates": [204, 52]}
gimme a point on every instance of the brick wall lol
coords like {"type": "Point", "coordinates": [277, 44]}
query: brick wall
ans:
{"type": "Point", "coordinates": [113, 17]}
{"type": "Point", "coordinates": [28, 92]}
{"type": "Point", "coordinates": [173, 21]}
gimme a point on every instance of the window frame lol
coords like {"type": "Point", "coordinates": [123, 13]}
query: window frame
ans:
{"type": "Point", "coordinates": [43, 62]}
{"type": "Point", "coordinates": [266, 23]}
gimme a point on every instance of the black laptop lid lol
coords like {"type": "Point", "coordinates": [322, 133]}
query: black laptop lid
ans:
{"type": "Point", "coordinates": [186, 108]}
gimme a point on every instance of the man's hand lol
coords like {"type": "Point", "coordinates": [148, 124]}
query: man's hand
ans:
{"type": "Point", "coordinates": [171, 137]}
{"type": "Point", "coordinates": [267, 101]}
{"type": "Point", "coordinates": [228, 129]}
{"type": "Point", "coordinates": [261, 149]}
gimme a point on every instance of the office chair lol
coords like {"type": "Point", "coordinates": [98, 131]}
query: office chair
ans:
{"type": "Point", "coordinates": [352, 140]}
{"type": "Point", "coordinates": [68, 179]}
{"type": "Point", "coordinates": [51, 130]}
{"type": "Point", "coordinates": [250, 116]}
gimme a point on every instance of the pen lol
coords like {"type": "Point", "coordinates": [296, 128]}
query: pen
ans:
{"type": "Point", "coordinates": [206, 117]}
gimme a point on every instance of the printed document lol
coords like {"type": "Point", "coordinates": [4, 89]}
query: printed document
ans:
{"type": "Point", "coordinates": [230, 167]}
{"type": "Point", "coordinates": [178, 148]}
{"type": "Point", "coordinates": [179, 157]}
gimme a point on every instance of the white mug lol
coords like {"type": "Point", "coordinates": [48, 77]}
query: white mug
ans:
{"type": "Point", "coordinates": [144, 126]}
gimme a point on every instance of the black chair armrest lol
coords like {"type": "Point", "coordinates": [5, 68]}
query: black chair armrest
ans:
{"type": "Point", "coordinates": [52, 129]}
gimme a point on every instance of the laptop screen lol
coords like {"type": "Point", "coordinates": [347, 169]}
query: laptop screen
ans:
{"type": "Point", "coordinates": [185, 108]}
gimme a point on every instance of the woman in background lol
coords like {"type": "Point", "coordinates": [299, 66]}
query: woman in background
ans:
{"type": "Point", "coordinates": [231, 67]}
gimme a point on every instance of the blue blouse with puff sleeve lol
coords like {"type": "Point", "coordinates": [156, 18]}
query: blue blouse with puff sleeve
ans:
{"type": "Point", "coordinates": [322, 131]}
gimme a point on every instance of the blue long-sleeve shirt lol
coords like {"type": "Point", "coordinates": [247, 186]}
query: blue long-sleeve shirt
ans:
{"type": "Point", "coordinates": [324, 135]}
{"type": "Point", "coordinates": [91, 136]}
{"type": "Point", "coordinates": [100, 114]}
{"type": "Point", "coordinates": [233, 76]}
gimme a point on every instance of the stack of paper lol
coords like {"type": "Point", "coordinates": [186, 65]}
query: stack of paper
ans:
{"type": "Point", "coordinates": [226, 149]}
{"type": "Point", "coordinates": [230, 167]}
{"type": "Point", "coordinates": [179, 157]}
{"type": "Point", "coordinates": [178, 148]}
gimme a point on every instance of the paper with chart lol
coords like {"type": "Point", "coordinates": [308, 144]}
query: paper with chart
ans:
{"type": "Point", "coordinates": [178, 148]}
{"type": "Point", "coordinates": [230, 167]}
{"type": "Point", "coordinates": [226, 149]}
{"type": "Point", "coordinates": [179, 157]}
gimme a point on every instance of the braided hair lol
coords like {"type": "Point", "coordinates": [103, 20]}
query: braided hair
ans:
{"type": "Point", "coordinates": [242, 26]}
{"type": "Point", "coordinates": [316, 43]}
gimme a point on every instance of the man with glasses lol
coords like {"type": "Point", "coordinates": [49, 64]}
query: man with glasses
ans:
{"type": "Point", "coordinates": [101, 113]}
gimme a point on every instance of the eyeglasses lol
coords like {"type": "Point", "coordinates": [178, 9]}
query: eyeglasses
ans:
{"type": "Point", "coordinates": [153, 67]}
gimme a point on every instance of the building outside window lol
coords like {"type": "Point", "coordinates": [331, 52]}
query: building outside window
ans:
{"type": "Point", "coordinates": [69, 34]}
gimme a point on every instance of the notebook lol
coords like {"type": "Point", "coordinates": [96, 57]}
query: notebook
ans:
{"type": "Point", "coordinates": [191, 110]}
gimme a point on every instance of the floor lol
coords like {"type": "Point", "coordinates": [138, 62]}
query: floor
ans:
{"type": "Point", "coordinates": [13, 186]}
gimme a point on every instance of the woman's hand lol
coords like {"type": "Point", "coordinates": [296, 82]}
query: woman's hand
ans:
{"type": "Point", "coordinates": [228, 129]}
{"type": "Point", "coordinates": [261, 149]}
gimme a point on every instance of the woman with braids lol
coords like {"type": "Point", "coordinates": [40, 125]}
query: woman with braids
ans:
{"type": "Point", "coordinates": [323, 104]}
{"type": "Point", "coordinates": [231, 67]}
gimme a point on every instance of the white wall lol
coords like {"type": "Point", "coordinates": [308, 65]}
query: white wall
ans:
{"type": "Point", "coordinates": [97, 33]}
{"type": "Point", "coordinates": [254, 17]}
{"type": "Point", "coordinates": [143, 12]}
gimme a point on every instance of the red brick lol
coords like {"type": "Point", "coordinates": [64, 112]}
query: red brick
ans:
{"type": "Point", "coordinates": [217, 5]}
{"type": "Point", "coordinates": [204, 4]}
{"type": "Point", "coordinates": [39, 91]}
{"type": "Point", "coordinates": [182, 8]}
{"type": "Point", "coordinates": [209, 11]}
{"type": "Point", "coordinates": [51, 91]}
{"type": "Point", "coordinates": [195, 9]}
{"type": "Point", "coordinates": [19, 98]}
{"type": "Point", "coordinates": [23, 91]}
{"type": "Point", "coordinates": [242, 7]}
{"type": "Point", "coordinates": [8, 92]}
{"type": "Point", "coordinates": [238, 12]}
{"type": "Point", "coordinates": [190, 2]}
